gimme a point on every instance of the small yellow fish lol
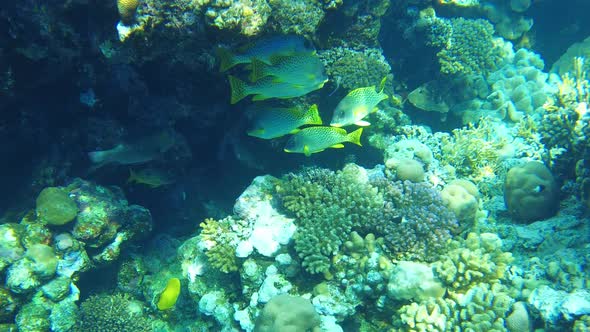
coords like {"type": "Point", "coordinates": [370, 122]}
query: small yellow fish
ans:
{"type": "Point", "coordinates": [169, 295]}
{"type": "Point", "coordinates": [316, 139]}
{"type": "Point", "coordinates": [152, 177]}
{"type": "Point", "coordinates": [357, 104]}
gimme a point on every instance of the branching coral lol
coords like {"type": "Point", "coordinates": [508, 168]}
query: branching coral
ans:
{"type": "Point", "coordinates": [414, 220]}
{"type": "Point", "coordinates": [476, 299]}
{"type": "Point", "coordinates": [411, 217]}
{"type": "Point", "coordinates": [220, 244]}
{"type": "Point", "coordinates": [477, 259]}
{"type": "Point", "coordinates": [351, 69]}
{"type": "Point", "coordinates": [112, 313]}
{"type": "Point", "coordinates": [327, 206]}
{"type": "Point", "coordinates": [301, 17]}
{"type": "Point", "coordinates": [466, 46]}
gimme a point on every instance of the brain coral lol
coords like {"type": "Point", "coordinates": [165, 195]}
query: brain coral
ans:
{"type": "Point", "coordinates": [55, 207]}
{"type": "Point", "coordinates": [530, 192]}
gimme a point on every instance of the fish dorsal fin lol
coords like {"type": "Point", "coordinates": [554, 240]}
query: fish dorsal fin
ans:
{"type": "Point", "coordinates": [256, 132]}
{"type": "Point", "coordinates": [313, 116]}
{"type": "Point", "coordinates": [337, 146]}
{"type": "Point", "coordinates": [355, 137]}
{"type": "Point", "coordinates": [238, 89]}
{"type": "Point", "coordinates": [362, 123]}
{"type": "Point", "coordinates": [257, 70]}
{"type": "Point", "coordinates": [382, 84]}
{"type": "Point", "coordinates": [132, 176]}
{"type": "Point", "coordinates": [306, 151]}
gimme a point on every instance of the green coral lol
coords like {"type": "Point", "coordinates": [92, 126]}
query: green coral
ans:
{"type": "Point", "coordinates": [55, 207]}
{"type": "Point", "coordinates": [327, 206]}
{"type": "Point", "coordinates": [478, 259]}
{"type": "Point", "coordinates": [113, 313]}
{"type": "Point", "coordinates": [301, 17]}
{"type": "Point", "coordinates": [582, 324]}
{"type": "Point", "coordinates": [465, 46]}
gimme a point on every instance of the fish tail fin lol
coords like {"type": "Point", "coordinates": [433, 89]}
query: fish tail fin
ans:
{"type": "Point", "coordinates": [355, 137]}
{"type": "Point", "coordinates": [132, 176]}
{"type": "Point", "coordinates": [97, 157]}
{"type": "Point", "coordinates": [257, 70]}
{"type": "Point", "coordinates": [382, 84]}
{"type": "Point", "coordinates": [226, 59]}
{"type": "Point", "coordinates": [313, 115]}
{"type": "Point", "coordinates": [238, 89]}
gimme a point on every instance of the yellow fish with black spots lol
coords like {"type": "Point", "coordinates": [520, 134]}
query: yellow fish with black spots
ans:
{"type": "Point", "coordinates": [317, 139]}
{"type": "Point", "coordinates": [267, 88]}
{"type": "Point", "coordinates": [299, 68]}
{"type": "Point", "coordinates": [273, 122]}
{"type": "Point", "coordinates": [357, 104]}
{"type": "Point", "coordinates": [262, 49]}
{"type": "Point", "coordinates": [151, 177]}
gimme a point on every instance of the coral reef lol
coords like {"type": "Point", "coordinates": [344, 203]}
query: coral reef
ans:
{"type": "Point", "coordinates": [465, 46]}
{"type": "Point", "coordinates": [351, 69]}
{"type": "Point", "coordinates": [112, 312]}
{"type": "Point", "coordinates": [328, 206]}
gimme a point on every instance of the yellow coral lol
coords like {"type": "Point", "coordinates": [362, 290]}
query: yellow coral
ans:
{"type": "Point", "coordinates": [477, 259]}
{"type": "Point", "coordinates": [169, 295]}
{"type": "Point", "coordinates": [127, 9]}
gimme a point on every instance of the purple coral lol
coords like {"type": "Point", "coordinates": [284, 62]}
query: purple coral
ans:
{"type": "Point", "coordinates": [415, 223]}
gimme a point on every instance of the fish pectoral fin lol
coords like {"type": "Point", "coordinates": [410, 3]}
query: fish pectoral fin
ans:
{"type": "Point", "coordinates": [259, 97]}
{"type": "Point", "coordinates": [375, 109]}
{"type": "Point", "coordinates": [256, 132]}
{"type": "Point", "coordinates": [362, 123]}
{"type": "Point", "coordinates": [306, 151]}
{"type": "Point", "coordinates": [337, 146]}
